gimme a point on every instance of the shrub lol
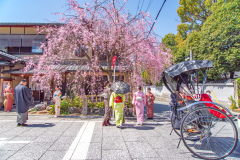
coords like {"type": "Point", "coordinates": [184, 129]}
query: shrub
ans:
{"type": "Point", "coordinates": [52, 111]}
{"type": "Point", "coordinates": [238, 90]}
{"type": "Point", "coordinates": [91, 104]}
{"type": "Point", "coordinates": [233, 103]}
{"type": "Point", "coordinates": [64, 106]}
{"type": "Point", "coordinates": [32, 110]}
{"type": "Point", "coordinates": [77, 102]}
{"type": "Point", "coordinates": [99, 105]}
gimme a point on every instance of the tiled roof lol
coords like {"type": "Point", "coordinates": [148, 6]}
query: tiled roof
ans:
{"type": "Point", "coordinates": [7, 56]}
{"type": "Point", "coordinates": [222, 81]}
{"type": "Point", "coordinates": [70, 68]}
{"type": "Point", "coordinates": [26, 24]}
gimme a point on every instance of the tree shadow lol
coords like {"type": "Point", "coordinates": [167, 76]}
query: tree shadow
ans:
{"type": "Point", "coordinates": [41, 125]}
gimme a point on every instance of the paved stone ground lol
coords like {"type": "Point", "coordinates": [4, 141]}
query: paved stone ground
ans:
{"type": "Point", "coordinates": [49, 138]}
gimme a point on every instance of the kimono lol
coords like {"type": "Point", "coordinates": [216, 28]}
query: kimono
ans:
{"type": "Point", "coordinates": [150, 102]}
{"type": "Point", "coordinates": [118, 108]}
{"type": "Point", "coordinates": [23, 98]}
{"type": "Point", "coordinates": [57, 98]}
{"type": "Point", "coordinates": [8, 98]}
{"type": "Point", "coordinates": [139, 101]}
{"type": "Point", "coordinates": [106, 95]}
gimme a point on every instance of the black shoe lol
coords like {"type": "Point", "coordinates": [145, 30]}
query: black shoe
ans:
{"type": "Point", "coordinates": [24, 124]}
{"type": "Point", "coordinates": [19, 124]}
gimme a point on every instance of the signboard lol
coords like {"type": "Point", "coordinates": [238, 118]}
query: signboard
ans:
{"type": "Point", "coordinates": [114, 61]}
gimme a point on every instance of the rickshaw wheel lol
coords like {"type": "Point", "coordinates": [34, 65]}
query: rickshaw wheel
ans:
{"type": "Point", "coordinates": [177, 131]}
{"type": "Point", "coordinates": [208, 136]}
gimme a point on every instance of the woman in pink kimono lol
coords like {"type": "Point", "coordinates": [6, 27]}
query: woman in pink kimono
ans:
{"type": "Point", "coordinates": [8, 98]}
{"type": "Point", "coordinates": [139, 101]}
{"type": "Point", "coordinates": [150, 102]}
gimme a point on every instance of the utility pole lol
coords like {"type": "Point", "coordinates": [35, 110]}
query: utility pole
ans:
{"type": "Point", "coordinates": [191, 56]}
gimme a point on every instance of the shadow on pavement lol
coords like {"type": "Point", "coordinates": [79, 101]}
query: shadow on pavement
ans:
{"type": "Point", "coordinates": [41, 125]}
{"type": "Point", "coordinates": [143, 127]}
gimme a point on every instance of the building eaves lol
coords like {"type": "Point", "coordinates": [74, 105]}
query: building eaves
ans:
{"type": "Point", "coordinates": [7, 56]}
{"type": "Point", "coordinates": [27, 24]}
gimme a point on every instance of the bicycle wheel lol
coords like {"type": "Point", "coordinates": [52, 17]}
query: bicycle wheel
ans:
{"type": "Point", "coordinates": [207, 136]}
{"type": "Point", "coordinates": [173, 118]}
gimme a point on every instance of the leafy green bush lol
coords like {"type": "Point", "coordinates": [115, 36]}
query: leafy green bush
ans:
{"type": "Point", "coordinates": [128, 103]}
{"type": "Point", "coordinates": [64, 106]}
{"type": "Point", "coordinates": [99, 105]}
{"type": "Point", "coordinates": [32, 110]}
{"type": "Point", "coordinates": [52, 111]}
{"type": "Point", "coordinates": [238, 90]}
{"type": "Point", "coordinates": [77, 102]}
{"type": "Point", "coordinates": [233, 103]}
{"type": "Point", "coordinates": [91, 104]}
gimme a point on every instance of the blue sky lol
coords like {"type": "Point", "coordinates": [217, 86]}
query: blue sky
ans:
{"type": "Point", "coordinates": [41, 11]}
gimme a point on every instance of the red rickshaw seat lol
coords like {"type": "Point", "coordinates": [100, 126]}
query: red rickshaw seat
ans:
{"type": "Point", "coordinates": [205, 97]}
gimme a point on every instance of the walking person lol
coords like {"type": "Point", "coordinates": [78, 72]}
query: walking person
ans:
{"type": "Point", "coordinates": [57, 100]}
{"type": "Point", "coordinates": [23, 97]}
{"type": "Point", "coordinates": [139, 101]}
{"type": "Point", "coordinates": [150, 104]}
{"type": "Point", "coordinates": [106, 95]}
{"type": "Point", "coordinates": [117, 103]}
{"type": "Point", "coordinates": [8, 97]}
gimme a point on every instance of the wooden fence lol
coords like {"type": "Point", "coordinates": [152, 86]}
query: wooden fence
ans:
{"type": "Point", "coordinates": [99, 98]}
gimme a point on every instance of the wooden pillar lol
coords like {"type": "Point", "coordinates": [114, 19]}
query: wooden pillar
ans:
{"type": "Point", "coordinates": [52, 87]}
{"type": "Point", "coordinates": [84, 110]}
{"type": "Point", "coordinates": [64, 83]}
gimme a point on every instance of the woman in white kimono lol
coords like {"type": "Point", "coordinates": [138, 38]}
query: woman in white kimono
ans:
{"type": "Point", "coordinates": [57, 100]}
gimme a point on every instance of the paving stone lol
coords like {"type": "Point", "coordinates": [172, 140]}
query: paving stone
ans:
{"type": "Point", "coordinates": [113, 143]}
{"type": "Point", "coordinates": [12, 146]}
{"type": "Point", "coordinates": [5, 154]}
{"type": "Point", "coordinates": [65, 139]}
{"type": "Point", "coordinates": [115, 155]}
{"type": "Point", "coordinates": [60, 146]}
{"type": "Point", "coordinates": [109, 132]}
{"type": "Point", "coordinates": [94, 151]}
{"type": "Point", "coordinates": [53, 155]}
{"type": "Point", "coordinates": [45, 139]}
{"type": "Point", "coordinates": [31, 134]}
{"type": "Point", "coordinates": [159, 158]}
{"type": "Point", "coordinates": [51, 134]}
{"type": "Point", "coordinates": [149, 133]}
{"type": "Point", "coordinates": [141, 150]}
{"type": "Point", "coordinates": [31, 151]}
{"type": "Point", "coordinates": [23, 138]}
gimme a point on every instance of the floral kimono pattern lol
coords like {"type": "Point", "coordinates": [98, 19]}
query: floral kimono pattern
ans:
{"type": "Point", "coordinates": [57, 98]}
{"type": "Point", "coordinates": [8, 98]}
{"type": "Point", "coordinates": [150, 102]}
{"type": "Point", "coordinates": [118, 107]}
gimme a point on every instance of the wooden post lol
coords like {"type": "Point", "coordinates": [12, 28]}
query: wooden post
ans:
{"type": "Point", "coordinates": [84, 111]}
{"type": "Point", "coordinates": [236, 92]}
{"type": "Point", "coordinates": [52, 87]}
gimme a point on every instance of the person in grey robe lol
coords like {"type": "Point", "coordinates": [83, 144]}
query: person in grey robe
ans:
{"type": "Point", "coordinates": [23, 98]}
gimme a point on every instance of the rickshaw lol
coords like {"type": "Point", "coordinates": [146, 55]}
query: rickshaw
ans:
{"type": "Point", "coordinates": [205, 127]}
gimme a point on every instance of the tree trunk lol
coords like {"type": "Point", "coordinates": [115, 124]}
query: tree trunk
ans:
{"type": "Point", "coordinates": [109, 71]}
{"type": "Point", "coordinates": [231, 75]}
{"type": "Point", "coordinates": [109, 76]}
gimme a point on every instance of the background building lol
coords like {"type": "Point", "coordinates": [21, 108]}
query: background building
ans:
{"type": "Point", "coordinates": [18, 40]}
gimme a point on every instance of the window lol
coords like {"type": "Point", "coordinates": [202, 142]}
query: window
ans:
{"type": "Point", "coordinates": [25, 49]}
{"type": "Point", "coordinates": [19, 49]}
{"type": "Point", "coordinates": [36, 46]}
{"type": "Point", "coordinates": [13, 49]}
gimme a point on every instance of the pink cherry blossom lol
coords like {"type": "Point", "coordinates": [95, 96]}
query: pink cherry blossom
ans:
{"type": "Point", "coordinates": [102, 30]}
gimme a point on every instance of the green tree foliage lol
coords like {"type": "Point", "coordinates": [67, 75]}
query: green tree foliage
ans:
{"type": "Point", "coordinates": [195, 12]}
{"type": "Point", "coordinates": [220, 39]}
